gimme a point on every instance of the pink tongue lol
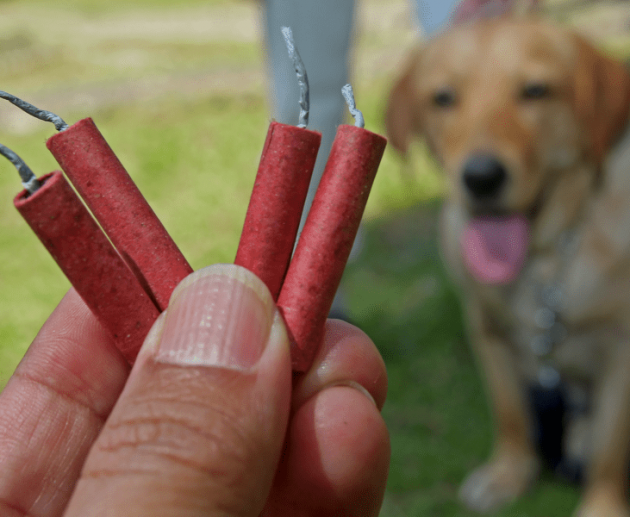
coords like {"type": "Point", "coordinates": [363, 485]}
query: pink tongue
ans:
{"type": "Point", "coordinates": [494, 248]}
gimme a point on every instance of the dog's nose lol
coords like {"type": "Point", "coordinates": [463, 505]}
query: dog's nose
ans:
{"type": "Point", "coordinates": [484, 176]}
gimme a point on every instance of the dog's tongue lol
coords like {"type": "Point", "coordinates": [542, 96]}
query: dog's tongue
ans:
{"type": "Point", "coordinates": [494, 248]}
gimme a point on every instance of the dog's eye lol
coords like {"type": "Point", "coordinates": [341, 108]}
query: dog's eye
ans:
{"type": "Point", "coordinates": [534, 91]}
{"type": "Point", "coordinates": [444, 98]}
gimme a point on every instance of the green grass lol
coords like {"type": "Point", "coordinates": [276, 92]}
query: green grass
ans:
{"type": "Point", "coordinates": [112, 59]}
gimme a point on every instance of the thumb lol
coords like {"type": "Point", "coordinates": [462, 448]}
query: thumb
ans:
{"type": "Point", "coordinates": [199, 427]}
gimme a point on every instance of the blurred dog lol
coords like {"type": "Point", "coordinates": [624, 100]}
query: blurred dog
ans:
{"type": "Point", "coordinates": [529, 123]}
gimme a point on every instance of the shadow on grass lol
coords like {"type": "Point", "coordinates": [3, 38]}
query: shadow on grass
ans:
{"type": "Point", "coordinates": [437, 414]}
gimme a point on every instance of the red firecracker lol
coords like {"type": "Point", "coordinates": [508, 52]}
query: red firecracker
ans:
{"type": "Point", "coordinates": [120, 208]}
{"type": "Point", "coordinates": [277, 201]}
{"type": "Point", "coordinates": [94, 268]}
{"type": "Point", "coordinates": [326, 239]}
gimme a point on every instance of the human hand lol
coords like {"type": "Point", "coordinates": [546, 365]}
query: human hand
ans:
{"type": "Point", "coordinates": [214, 430]}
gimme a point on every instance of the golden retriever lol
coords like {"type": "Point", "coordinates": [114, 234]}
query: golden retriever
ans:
{"type": "Point", "coordinates": [528, 122]}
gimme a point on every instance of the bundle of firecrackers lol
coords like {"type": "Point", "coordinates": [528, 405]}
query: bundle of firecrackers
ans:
{"type": "Point", "coordinates": [124, 264]}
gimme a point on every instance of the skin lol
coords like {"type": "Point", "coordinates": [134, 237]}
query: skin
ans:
{"type": "Point", "coordinates": [82, 434]}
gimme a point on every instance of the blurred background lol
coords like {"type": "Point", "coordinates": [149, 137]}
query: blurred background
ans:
{"type": "Point", "coordinates": [180, 91]}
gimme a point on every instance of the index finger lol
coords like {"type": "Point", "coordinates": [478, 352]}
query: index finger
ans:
{"type": "Point", "coordinates": [53, 408]}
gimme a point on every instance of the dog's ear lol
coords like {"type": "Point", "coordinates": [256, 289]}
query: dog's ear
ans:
{"type": "Point", "coordinates": [602, 97]}
{"type": "Point", "coordinates": [401, 116]}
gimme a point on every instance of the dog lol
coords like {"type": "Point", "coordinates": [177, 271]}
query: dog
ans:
{"type": "Point", "coordinates": [529, 122]}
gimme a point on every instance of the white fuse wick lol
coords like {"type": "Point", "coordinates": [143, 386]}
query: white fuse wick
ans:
{"type": "Point", "coordinates": [302, 78]}
{"type": "Point", "coordinates": [348, 94]}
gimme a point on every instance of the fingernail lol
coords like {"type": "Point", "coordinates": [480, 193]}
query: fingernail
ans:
{"type": "Point", "coordinates": [355, 385]}
{"type": "Point", "coordinates": [218, 316]}
{"type": "Point", "coordinates": [309, 390]}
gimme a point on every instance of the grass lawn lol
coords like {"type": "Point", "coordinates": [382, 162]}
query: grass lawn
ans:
{"type": "Point", "coordinates": [186, 113]}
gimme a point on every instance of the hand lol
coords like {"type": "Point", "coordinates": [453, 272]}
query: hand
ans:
{"type": "Point", "coordinates": [205, 424]}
